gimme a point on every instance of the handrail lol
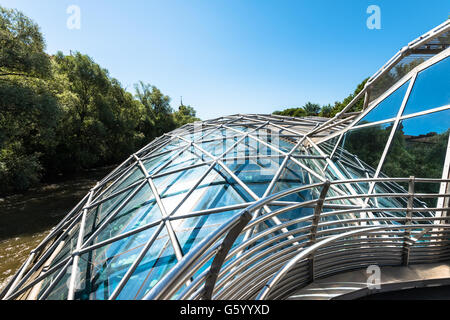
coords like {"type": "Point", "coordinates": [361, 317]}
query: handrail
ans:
{"type": "Point", "coordinates": [207, 283]}
{"type": "Point", "coordinates": [278, 277]}
{"type": "Point", "coordinates": [173, 280]}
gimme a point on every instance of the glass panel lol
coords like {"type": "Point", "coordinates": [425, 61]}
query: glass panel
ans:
{"type": "Point", "coordinates": [69, 245]}
{"type": "Point", "coordinates": [254, 174]}
{"type": "Point", "coordinates": [327, 147]}
{"type": "Point", "coordinates": [61, 290]}
{"type": "Point", "coordinates": [364, 146]}
{"type": "Point", "coordinates": [418, 149]}
{"type": "Point", "coordinates": [103, 209]}
{"type": "Point", "coordinates": [193, 230]}
{"type": "Point", "coordinates": [216, 190]}
{"type": "Point", "coordinates": [102, 269]}
{"type": "Point", "coordinates": [188, 158]}
{"type": "Point", "coordinates": [218, 147]}
{"type": "Point", "coordinates": [160, 258]}
{"type": "Point", "coordinates": [153, 164]}
{"type": "Point", "coordinates": [388, 108]}
{"type": "Point", "coordinates": [135, 175]}
{"type": "Point", "coordinates": [172, 188]}
{"type": "Point", "coordinates": [175, 143]}
{"type": "Point", "coordinates": [142, 209]}
{"type": "Point", "coordinates": [431, 89]}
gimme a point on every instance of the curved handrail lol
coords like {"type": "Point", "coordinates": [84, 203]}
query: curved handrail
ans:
{"type": "Point", "coordinates": [278, 277]}
{"type": "Point", "coordinates": [208, 248]}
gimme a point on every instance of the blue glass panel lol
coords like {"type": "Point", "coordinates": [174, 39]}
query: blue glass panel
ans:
{"type": "Point", "coordinates": [218, 147]}
{"type": "Point", "coordinates": [142, 209]}
{"type": "Point", "coordinates": [256, 176]}
{"type": "Point", "coordinates": [388, 108]}
{"type": "Point", "coordinates": [154, 163]}
{"type": "Point", "coordinates": [365, 145]}
{"type": "Point", "coordinates": [103, 268]}
{"type": "Point", "coordinates": [215, 191]}
{"type": "Point", "coordinates": [193, 230]}
{"type": "Point", "coordinates": [175, 143]}
{"type": "Point", "coordinates": [133, 176]}
{"type": "Point", "coordinates": [419, 148]}
{"type": "Point", "coordinates": [188, 158]}
{"type": "Point", "coordinates": [157, 262]}
{"type": "Point", "coordinates": [431, 89]}
{"type": "Point", "coordinates": [108, 206]}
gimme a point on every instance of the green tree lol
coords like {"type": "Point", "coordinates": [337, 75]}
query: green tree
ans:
{"type": "Point", "coordinates": [65, 113]}
{"type": "Point", "coordinates": [358, 106]}
{"type": "Point", "coordinates": [157, 114]}
{"type": "Point", "coordinates": [184, 115]}
{"type": "Point", "coordinates": [21, 46]}
{"type": "Point", "coordinates": [28, 109]}
{"type": "Point", "coordinates": [82, 87]}
{"type": "Point", "coordinates": [312, 109]}
{"type": "Point", "coordinates": [326, 111]}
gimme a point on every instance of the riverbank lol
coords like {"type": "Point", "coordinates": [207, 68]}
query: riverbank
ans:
{"type": "Point", "coordinates": [25, 219]}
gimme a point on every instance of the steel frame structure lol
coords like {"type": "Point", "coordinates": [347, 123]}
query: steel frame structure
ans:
{"type": "Point", "coordinates": [344, 226]}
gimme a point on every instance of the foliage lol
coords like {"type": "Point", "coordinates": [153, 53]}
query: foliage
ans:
{"type": "Point", "coordinates": [21, 46]}
{"type": "Point", "coordinates": [327, 111]}
{"type": "Point", "coordinates": [63, 113]}
{"type": "Point", "coordinates": [185, 115]}
{"type": "Point", "coordinates": [421, 156]}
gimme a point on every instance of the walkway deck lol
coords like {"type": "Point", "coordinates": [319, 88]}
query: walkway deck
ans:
{"type": "Point", "coordinates": [353, 284]}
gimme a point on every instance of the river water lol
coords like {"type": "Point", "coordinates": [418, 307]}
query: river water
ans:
{"type": "Point", "coordinates": [26, 219]}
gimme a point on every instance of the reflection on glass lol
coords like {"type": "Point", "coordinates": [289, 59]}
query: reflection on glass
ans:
{"type": "Point", "coordinates": [431, 89]}
{"type": "Point", "coordinates": [328, 146]}
{"type": "Point", "coordinates": [401, 69]}
{"type": "Point", "coordinates": [418, 148]}
{"type": "Point", "coordinates": [364, 146]}
{"type": "Point", "coordinates": [388, 108]}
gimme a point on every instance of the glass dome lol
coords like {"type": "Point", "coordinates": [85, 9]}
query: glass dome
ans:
{"type": "Point", "coordinates": [138, 225]}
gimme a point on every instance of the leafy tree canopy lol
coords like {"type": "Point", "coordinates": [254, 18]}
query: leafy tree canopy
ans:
{"type": "Point", "coordinates": [63, 113]}
{"type": "Point", "coordinates": [21, 46]}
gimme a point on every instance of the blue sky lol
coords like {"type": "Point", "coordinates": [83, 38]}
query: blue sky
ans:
{"type": "Point", "coordinates": [237, 56]}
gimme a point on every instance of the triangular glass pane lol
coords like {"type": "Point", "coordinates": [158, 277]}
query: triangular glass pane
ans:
{"type": "Point", "coordinates": [70, 244]}
{"type": "Point", "coordinates": [39, 288]}
{"type": "Point", "coordinates": [273, 138]}
{"type": "Point", "coordinates": [159, 259]}
{"type": "Point", "coordinates": [186, 159]}
{"type": "Point", "coordinates": [104, 268]}
{"type": "Point", "coordinates": [192, 231]}
{"type": "Point", "coordinates": [431, 88]}
{"type": "Point", "coordinates": [388, 108]}
{"type": "Point", "coordinates": [215, 191]}
{"type": "Point", "coordinates": [328, 146]}
{"type": "Point", "coordinates": [294, 176]}
{"type": "Point", "coordinates": [419, 148]}
{"type": "Point", "coordinates": [141, 210]}
{"type": "Point", "coordinates": [250, 147]}
{"type": "Point", "coordinates": [175, 143]}
{"type": "Point", "coordinates": [152, 164]}
{"type": "Point", "coordinates": [219, 133]}
{"type": "Point", "coordinates": [172, 188]}
{"type": "Point", "coordinates": [61, 289]}
{"type": "Point", "coordinates": [363, 147]}
{"type": "Point", "coordinates": [104, 208]}
{"type": "Point", "coordinates": [256, 174]}
{"type": "Point", "coordinates": [130, 178]}
{"type": "Point", "coordinates": [218, 147]}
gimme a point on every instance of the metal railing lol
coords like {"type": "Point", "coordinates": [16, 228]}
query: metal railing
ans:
{"type": "Point", "coordinates": [337, 233]}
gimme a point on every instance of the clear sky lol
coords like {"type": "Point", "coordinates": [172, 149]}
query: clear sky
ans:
{"type": "Point", "coordinates": [237, 56]}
